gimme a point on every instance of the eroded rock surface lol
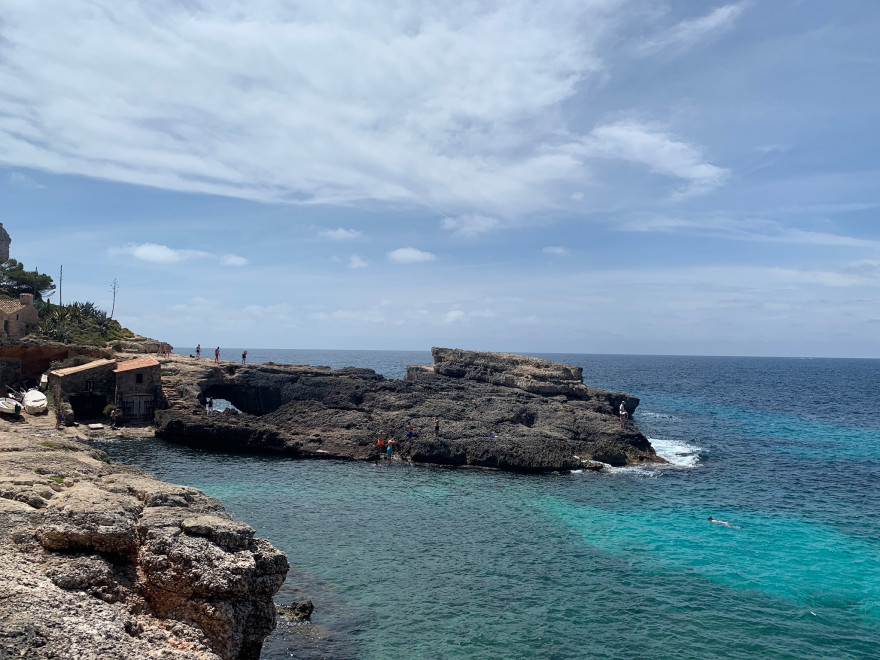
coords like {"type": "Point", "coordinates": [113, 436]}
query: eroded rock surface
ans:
{"type": "Point", "coordinates": [496, 410]}
{"type": "Point", "coordinates": [99, 560]}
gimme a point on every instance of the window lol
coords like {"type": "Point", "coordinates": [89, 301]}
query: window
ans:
{"type": "Point", "coordinates": [139, 378]}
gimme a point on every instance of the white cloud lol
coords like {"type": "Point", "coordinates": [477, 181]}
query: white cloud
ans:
{"type": "Point", "coordinates": [20, 180]}
{"type": "Point", "coordinates": [340, 234]}
{"type": "Point", "coordinates": [233, 260]}
{"type": "Point", "coordinates": [454, 316]}
{"type": "Point", "coordinates": [162, 254]}
{"type": "Point", "coordinates": [694, 32]}
{"type": "Point", "coordinates": [356, 261]}
{"type": "Point", "coordinates": [409, 255]}
{"type": "Point", "coordinates": [446, 104]}
{"type": "Point", "coordinates": [662, 153]}
{"type": "Point", "coordinates": [158, 254]}
{"type": "Point", "coordinates": [578, 196]}
{"type": "Point", "coordinates": [555, 250]}
{"type": "Point", "coordinates": [759, 231]}
{"type": "Point", "coordinates": [461, 316]}
{"type": "Point", "coordinates": [469, 226]}
{"type": "Point", "coordinates": [352, 316]}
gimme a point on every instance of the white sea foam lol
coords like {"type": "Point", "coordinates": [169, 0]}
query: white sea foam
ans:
{"type": "Point", "coordinates": [657, 415]}
{"type": "Point", "coordinates": [677, 452]}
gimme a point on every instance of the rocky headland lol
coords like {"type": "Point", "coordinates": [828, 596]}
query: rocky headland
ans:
{"type": "Point", "coordinates": [99, 560]}
{"type": "Point", "coordinates": [496, 410]}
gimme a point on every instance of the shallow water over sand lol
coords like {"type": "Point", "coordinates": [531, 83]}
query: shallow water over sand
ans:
{"type": "Point", "coordinates": [422, 562]}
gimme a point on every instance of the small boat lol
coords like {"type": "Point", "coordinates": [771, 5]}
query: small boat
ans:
{"type": "Point", "coordinates": [9, 406]}
{"type": "Point", "coordinates": [34, 402]}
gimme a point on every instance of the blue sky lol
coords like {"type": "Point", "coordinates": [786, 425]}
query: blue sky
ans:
{"type": "Point", "coordinates": [608, 176]}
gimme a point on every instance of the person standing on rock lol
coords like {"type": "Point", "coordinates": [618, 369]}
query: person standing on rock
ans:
{"type": "Point", "coordinates": [390, 447]}
{"type": "Point", "coordinates": [244, 356]}
{"type": "Point", "coordinates": [210, 405]}
{"type": "Point", "coordinates": [436, 427]}
{"type": "Point", "coordinates": [217, 354]}
{"type": "Point", "coordinates": [380, 442]}
{"type": "Point", "coordinates": [409, 431]}
{"type": "Point", "coordinates": [623, 414]}
{"type": "Point", "coordinates": [198, 351]}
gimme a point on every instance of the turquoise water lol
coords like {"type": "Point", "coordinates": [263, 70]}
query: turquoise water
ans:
{"type": "Point", "coordinates": [419, 562]}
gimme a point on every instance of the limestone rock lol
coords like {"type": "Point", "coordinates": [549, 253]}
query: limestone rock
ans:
{"type": "Point", "coordinates": [103, 561]}
{"type": "Point", "coordinates": [496, 410]}
{"type": "Point", "coordinates": [297, 611]}
{"type": "Point", "coordinates": [510, 370]}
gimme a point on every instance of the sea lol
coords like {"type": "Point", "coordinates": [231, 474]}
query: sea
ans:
{"type": "Point", "coordinates": [408, 561]}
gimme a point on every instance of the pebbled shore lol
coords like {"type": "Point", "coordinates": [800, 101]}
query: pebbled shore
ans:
{"type": "Point", "coordinates": [100, 560]}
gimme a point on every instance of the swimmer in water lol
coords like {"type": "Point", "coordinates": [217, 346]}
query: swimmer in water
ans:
{"type": "Point", "coordinates": [723, 522]}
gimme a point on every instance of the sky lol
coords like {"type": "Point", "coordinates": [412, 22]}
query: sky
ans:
{"type": "Point", "coordinates": [591, 176]}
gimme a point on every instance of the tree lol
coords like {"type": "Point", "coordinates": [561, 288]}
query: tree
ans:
{"type": "Point", "coordinates": [15, 280]}
{"type": "Point", "coordinates": [114, 288]}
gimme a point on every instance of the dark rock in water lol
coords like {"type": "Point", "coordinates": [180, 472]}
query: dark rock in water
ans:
{"type": "Point", "coordinates": [297, 611]}
{"type": "Point", "coordinates": [496, 410]}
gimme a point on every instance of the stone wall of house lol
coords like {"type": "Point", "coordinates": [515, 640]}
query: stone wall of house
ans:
{"type": "Point", "coordinates": [151, 381]}
{"type": "Point", "coordinates": [102, 379]}
{"type": "Point", "coordinates": [138, 399]}
{"type": "Point", "coordinates": [18, 323]}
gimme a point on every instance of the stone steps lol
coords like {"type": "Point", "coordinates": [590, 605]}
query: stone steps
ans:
{"type": "Point", "coordinates": [172, 397]}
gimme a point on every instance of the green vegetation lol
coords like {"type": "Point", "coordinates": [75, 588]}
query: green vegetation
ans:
{"type": "Point", "coordinates": [50, 445]}
{"type": "Point", "coordinates": [15, 280]}
{"type": "Point", "coordinates": [79, 323]}
{"type": "Point", "coordinates": [76, 323]}
{"type": "Point", "coordinates": [58, 479]}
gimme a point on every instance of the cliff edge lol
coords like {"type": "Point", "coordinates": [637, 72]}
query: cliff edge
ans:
{"type": "Point", "coordinates": [99, 560]}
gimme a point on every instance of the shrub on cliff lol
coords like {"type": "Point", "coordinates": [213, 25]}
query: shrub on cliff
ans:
{"type": "Point", "coordinates": [79, 323]}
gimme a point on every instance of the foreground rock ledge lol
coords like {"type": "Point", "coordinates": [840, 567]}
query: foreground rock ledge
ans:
{"type": "Point", "coordinates": [496, 410]}
{"type": "Point", "coordinates": [99, 560]}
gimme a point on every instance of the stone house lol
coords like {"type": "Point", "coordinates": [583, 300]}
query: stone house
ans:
{"type": "Point", "coordinates": [133, 386]}
{"type": "Point", "coordinates": [138, 387]}
{"type": "Point", "coordinates": [17, 317]}
{"type": "Point", "coordinates": [88, 387]}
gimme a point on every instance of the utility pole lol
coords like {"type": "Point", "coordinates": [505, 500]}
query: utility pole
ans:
{"type": "Point", "coordinates": [60, 280]}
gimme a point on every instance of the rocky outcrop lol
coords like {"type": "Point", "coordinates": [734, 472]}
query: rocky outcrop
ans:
{"type": "Point", "coordinates": [501, 411]}
{"type": "Point", "coordinates": [103, 561]}
{"type": "Point", "coordinates": [510, 370]}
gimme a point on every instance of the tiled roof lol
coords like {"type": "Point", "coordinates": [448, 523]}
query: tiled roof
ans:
{"type": "Point", "coordinates": [10, 306]}
{"type": "Point", "coordinates": [82, 367]}
{"type": "Point", "coordinates": [137, 363]}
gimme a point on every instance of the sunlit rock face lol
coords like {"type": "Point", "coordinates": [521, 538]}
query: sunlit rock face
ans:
{"type": "Point", "coordinates": [102, 561]}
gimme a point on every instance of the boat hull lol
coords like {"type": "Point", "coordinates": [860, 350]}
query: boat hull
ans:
{"type": "Point", "coordinates": [34, 402]}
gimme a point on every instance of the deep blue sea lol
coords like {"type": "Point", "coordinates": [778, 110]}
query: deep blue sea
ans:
{"type": "Point", "coordinates": [407, 561]}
